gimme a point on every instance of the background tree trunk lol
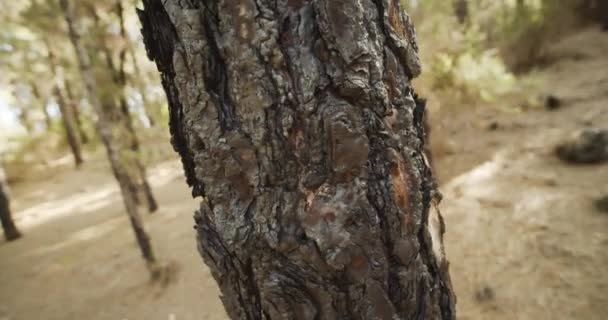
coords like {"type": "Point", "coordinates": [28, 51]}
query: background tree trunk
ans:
{"type": "Point", "coordinates": [461, 9]}
{"type": "Point", "coordinates": [119, 155]}
{"type": "Point", "coordinates": [67, 115]}
{"type": "Point", "coordinates": [139, 84]}
{"type": "Point", "coordinates": [139, 184]}
{"type": "Point", "coordinates": [73, 103]}
{"type": "Point", "coordinates": [296, 124]}
{"type": "Point", "coordinates": [42, 100]}
{"type": "Point", "coordinates": [8, 225]}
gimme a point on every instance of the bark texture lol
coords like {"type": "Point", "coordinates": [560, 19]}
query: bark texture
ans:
{"type": "Point", "coordinates": [296, 124]}
{"type": "Point", "coordinates": [111, 131]}
{"type": "Point", "coordinates": [8, 225]}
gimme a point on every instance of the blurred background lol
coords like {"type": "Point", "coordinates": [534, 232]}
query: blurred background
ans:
{"type": "Point", "coordinates": [517, 98]}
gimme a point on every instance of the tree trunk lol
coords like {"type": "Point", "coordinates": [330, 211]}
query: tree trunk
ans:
{"type": "Point", "coordinates": [139, 184]}
{"type": "Point", "coordinates": [142, 90]}
{"type": "Point", "coordinates": [73, 103]}
{"type": "Point", "coordinates": [8, 225]}
{"type": "Point", "coordinates": [142, 185]}
{"type": "Point", "coordinates": [296, 124]}
{"type": "Point", "coordinates": [110, 133]}
{"type": "Point", "coordinates": [461, 9]}
{"type": "Point", "coordinates": [67, 116]}
{"type": "Point", "coordinates": [36, 92]}
{"type": "Point", "coordinates": [25, 120]}
{"type": "Point", "coordinates": [138, 80]}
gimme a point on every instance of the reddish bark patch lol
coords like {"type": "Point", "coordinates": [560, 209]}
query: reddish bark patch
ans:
{"type": "Point", "coordinates": [358, 262]}
{"type": "Point", "coordinates": [321, 51]}
{"type": "Point", "coordinates": [329, 216]}
{"type": "Point", "coordinates": [242, 186]}
{"type": "Point", "coordinates": [246, 155]}
{"type": "Point", "coordinates": [390, 79]}
{"type": "Point", "coordinates": [296, 4]}
{"type": "Point", "coordinates": [297, 141]}
{"type": "Point", "coordinates": [394, 17]}
{"type": "Point", "coordinates": [399, 178]}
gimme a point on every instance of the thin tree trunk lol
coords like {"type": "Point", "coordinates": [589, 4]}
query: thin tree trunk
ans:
{"type": "Point", "coordinates": [84, 137]}
{"type": "Point", "coordinates": [115, 149]}
{"type": "Point", "coordinates": [8, 225]}
{"type": "Point", "coordinates": [41, 100]}
{"type": "Point", "coordinates": [67, 115]}
{"type": "Point", "coordinates": [143, 183]}
{"type": "Point", "coordinates": [25, 120]}
{"type": "Point", "coordinates": [138, 181]}
{"type": "Point", "coordinates": [121, 77]}
{"type": "Point", "coordinates": [142, 90]}
{"type": "Point", "coordinates": [138, 80]}
{"type": "Point", "coordinates": [296, 125]}
{"type": "Point", "coordinates": [461, 9]}
{"type": "Point", "coordinates": [67, 118]}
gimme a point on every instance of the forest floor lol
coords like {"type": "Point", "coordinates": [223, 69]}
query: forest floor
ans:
{"type": "Point", "coordinates": [523, 236]}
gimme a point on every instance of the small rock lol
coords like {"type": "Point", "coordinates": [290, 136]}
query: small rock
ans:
{"type": "Point", "coordinates": [601, 204]}
{"type": "Point", "coordinates": [587, 146]}
{"type": "Point", "coordinates": [552, 102]}
{"type": "Point", "coordinates": [484, 294]}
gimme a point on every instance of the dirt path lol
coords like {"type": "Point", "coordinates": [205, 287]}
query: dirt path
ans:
{"type": "Point", "coordinates": [523, 238]}
{"type": "Point", "coordinates": [79, 260]}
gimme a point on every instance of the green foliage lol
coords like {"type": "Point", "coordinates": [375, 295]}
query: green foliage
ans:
{"type": "Point", "coordinates": [33, 29]}
{"type": "Point", "coordinates": [481, 61]}
{"type": "Point", "coordinates": [527, 28]}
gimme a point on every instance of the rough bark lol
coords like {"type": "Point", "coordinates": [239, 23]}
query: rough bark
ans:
{"type": "Point", "coordinates": [110, 133]}
{"type": "Point", "coordinates": [8, 225]}
{"type": "Point", "coordinates": [297, 127]}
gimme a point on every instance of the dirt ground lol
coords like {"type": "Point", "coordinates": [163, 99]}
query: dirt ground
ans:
{"type": "Point", "coordinates": [523, 237]}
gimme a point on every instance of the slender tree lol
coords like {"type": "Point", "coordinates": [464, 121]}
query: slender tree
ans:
{"type": "Point", "coordinates": [8, 225]}
{"type": "Point", "coordinates": [138, 76]}
{"type": "Point", "coordinates": [118, 101]}
{"type": "Point", "coordinates": [75, 109]}
{"type": "Point", "coordinates": [42, 101]}
{"type": "Point", "coordinates": [461, 9]}
{"type": "Point", "coordinates": [68, 117]}
{"type": "Point", "coordinates": [296, 125]}
{"type": "Point", "coordinates": [110, 128]}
